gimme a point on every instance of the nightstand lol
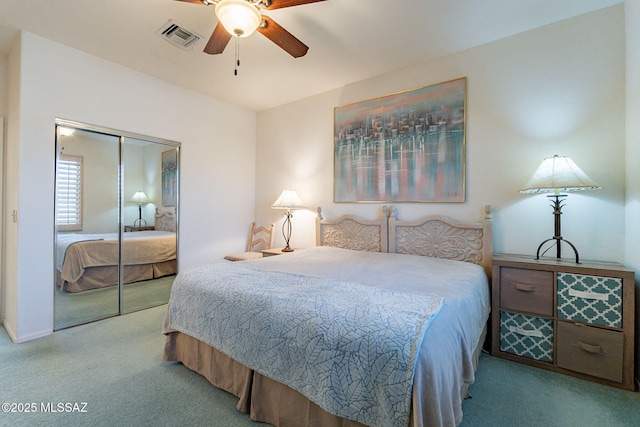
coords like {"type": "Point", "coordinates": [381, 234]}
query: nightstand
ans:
{"type": "Point", "coordinates": [138, 228]}
{"type": "Point", "coordinates": [576, 319]}
{"type": "Point", "coordinates": [273, 252]}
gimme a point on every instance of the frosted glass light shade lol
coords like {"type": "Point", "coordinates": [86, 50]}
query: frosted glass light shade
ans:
{"type": "Point", "coordinates": [239, 17]}
{"type": "Point", "coordinates": [559, 174]}
{"type": "Point", "coordinates": [66, 131]}
{"type": "Point", "coordinates": [288, 199]}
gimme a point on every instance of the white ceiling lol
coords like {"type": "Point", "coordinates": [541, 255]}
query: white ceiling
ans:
{"type": "Point", "coordinates": [349, 40]}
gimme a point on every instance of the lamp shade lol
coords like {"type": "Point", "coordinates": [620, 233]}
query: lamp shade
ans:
{"type": "Point", "coordinates": [139, 198]}
{"type": "Point", "coordinates": [288, 199]}
{"type": "Point", "coordinates": [559, 174]}
{"type": "Point", "coordinates": [239, 17]}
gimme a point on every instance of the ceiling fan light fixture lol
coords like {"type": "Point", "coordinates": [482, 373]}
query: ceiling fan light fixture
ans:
{"type": "Point", "coordinates": [239, 17]}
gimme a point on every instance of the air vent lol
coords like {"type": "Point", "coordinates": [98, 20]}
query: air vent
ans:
{"type": "Point", "coordinates": [179, 36]}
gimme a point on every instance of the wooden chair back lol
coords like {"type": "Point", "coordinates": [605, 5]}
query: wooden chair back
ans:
{"type": "Point", "coordinates": [260, 237]}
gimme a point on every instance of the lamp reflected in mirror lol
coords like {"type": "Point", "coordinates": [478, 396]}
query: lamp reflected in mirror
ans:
{"type": "Point", "coordinates": [140, 199]}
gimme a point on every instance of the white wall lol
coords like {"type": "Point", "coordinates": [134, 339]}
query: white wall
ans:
{"type": "Point", "coordinates": [10, 194]}
{"type": "Point", "coordinates": [4, 79]}
{"type": "Point", "coordinates": [554, 90]}
{"type": "Point", "coordinates": [3, 112]}
{"type": "Point", "coordinates": [632, 247]}
{"type": "Point", "coordinates": [1, 214]}
{"type": "Point", "coordinates": [217, 158]}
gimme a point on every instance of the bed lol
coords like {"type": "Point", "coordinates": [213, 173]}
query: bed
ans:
{"type": "Point", "coordinates": [435, 267]}
{"type": "Point", "coordinates": [90, 261]}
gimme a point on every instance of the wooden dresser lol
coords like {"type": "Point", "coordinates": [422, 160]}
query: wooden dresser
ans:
{"type": "Point", "coordinates": [577, 319]}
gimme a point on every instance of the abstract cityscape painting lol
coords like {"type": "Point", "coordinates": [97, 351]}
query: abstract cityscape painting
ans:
{"type": "Point", "coordinates": [405, 147]}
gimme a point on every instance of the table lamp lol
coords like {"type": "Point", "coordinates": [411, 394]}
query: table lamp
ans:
{"type": "Point", "coordinates": [140, 199]}
{"type": "Point", "coordinates": [558, 174]}
{"type": "Point", "coordinates": [288, 200]}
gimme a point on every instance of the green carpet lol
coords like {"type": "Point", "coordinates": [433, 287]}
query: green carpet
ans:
{"type": "Point", "coordinates": [115, 366]}
{"type": "Point", "coordinates": [506, 393]}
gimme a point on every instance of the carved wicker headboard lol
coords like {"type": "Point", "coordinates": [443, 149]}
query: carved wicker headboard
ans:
{"type": "Point", "coordinates": [440, 237]}
{"type": "Point", "coordinates": [433, 236]}
{"type": "Point", "coordinates": [351, 232]}
{"type": "Point", "coordinates": [166, 221]}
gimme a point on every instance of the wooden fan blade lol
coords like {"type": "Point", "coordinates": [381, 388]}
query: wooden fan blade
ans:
{"type": "Point", "coordinates": [283, 38]}
{"type": "Point", "coordinates": [193, 1]}
{"type": "Point", "coordinates": [279, 4]}
{"type": "Point", "coordinates": [218, 41]}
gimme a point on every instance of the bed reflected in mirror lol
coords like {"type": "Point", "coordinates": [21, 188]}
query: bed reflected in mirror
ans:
{"type": "Point", "coordinates": [116, 251]}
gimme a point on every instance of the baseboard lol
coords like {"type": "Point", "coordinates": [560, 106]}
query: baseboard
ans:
{"type": "Point", "coordinates": [14, 336]}
{"type": "Point", "coordinates": [10, 332]}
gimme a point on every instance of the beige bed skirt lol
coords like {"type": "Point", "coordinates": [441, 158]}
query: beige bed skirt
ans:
{"type": "Point", "coordinates": [100, 277]}
{"type": "Point", "coordinates": [264, 399]}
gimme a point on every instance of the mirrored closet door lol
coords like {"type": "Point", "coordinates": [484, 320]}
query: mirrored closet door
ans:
{"type": "Point", "coordinates": [116, 222]}
{"type": "Point", "coordinates": [149, 244]}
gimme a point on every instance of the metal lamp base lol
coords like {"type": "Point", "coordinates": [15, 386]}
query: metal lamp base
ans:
{"type": "Point", "coordinates": [286, 231]}
{"type": "Point", "coordinates": [557, 211]}
{"type": "Point", "coordinates": [140, 222]}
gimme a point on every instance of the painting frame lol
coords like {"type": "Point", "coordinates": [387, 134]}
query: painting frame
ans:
{"type": "Point", "coordinates": [169, 164]}
{"type": "Point", "coordinates": [404, 147]}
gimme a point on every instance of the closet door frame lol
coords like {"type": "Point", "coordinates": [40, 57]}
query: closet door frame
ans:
{"type": "Point", "coordinates": [122, 137]}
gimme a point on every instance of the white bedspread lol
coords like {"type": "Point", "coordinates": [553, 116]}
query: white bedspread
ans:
{"type": "Point", "coordinates": [442, 369]}
{"type": "Point", "coordinates": [347, 347]}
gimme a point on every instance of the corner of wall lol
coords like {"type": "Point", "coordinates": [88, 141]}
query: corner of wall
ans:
{"type": "Point", "coordinates": [632, 150]}
{"type": "Point", "coordinates": [10, 332]}
{"type": "Point", "coordinates": [1, 214]}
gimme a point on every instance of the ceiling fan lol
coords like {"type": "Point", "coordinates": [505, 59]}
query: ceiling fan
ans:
{"type": "Point", "coordinates": [240, 18]}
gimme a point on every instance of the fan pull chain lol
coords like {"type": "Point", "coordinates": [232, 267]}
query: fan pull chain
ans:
{"type": "Point", "coordinates": [235, 71]}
